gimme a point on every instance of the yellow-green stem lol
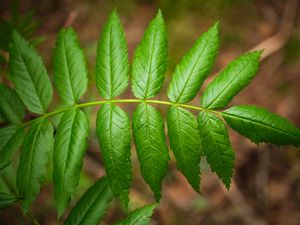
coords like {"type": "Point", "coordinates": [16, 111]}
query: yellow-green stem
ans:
{"type": "Point", "coordinates": [94, 103]}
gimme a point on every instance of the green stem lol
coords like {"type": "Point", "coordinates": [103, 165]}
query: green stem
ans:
{"type": "Point", "coordinates": [88, 104]}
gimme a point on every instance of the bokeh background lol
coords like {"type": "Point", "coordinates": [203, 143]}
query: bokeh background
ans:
{"type": "Point", "coordinates": [266, 184]}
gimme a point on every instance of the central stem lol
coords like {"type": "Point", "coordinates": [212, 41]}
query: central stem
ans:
{"type": "Point", "coordinates": [94, 103]}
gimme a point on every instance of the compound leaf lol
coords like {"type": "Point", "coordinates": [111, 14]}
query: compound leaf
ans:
{"type": "Point", "coordinates": [11, 138]}
{"type": "Point", "coordinates": [194, 67]}
{"type": "Point", "coordinates": [260, 125]}
{"type": "Point", "coordinates": [69, 149]}
{"type": "Point", "coordinates": [231, 81]}
{"type": "Point", "coordinates": [70, 70]}
{"type": "Point", "coordinates": [29, 75]}
{"type": "Point", "coordinates": [150, 141]}
{"type": "Point", "coordinates": [37, 147]}
{"type": "Point", "coordinates": [112, 59]}
{"type": "Point", "coordinates": [92, 206]}
{"type": "Point", "coordinates": [216, 145]}
{"type": "Point", "coordinates": [7, 200]}
{"type": "Point", "coordinates": [113, 131]}
{"type": "Point", "coordinates": [11, 106]}
{"type": "Point", "coordinates": [150, 60]}
{"type": "Point", "coordinates": [185, 143]}
{"type": "Point", "coordinates": [140, 216]}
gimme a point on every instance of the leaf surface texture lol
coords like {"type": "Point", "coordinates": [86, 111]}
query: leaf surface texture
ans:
{"type": "Point", "coordinates": [260, 125]}
{"type": "Point", "coordinates": [150, 60]}
{"type": "Point", "coordinates": [150, 141]}
{"type": "Point", "coordinates": [113, 131]}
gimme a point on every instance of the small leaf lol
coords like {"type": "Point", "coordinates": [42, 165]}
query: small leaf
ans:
{"type": "Point", "coordinates": [92, 206]}
{"type": "Point", "coordinates": [70, 70]}
{"type": "Point", "coordinates": [112, 59]}
{"type": "Point", "coordinates": [11, 107]}
{"type": "Point", "coordinates": [194, 67]}
{"type": "Point", "coordinates": [37, 147]}
{"type": "Point", "coordinates": [69, 149]}
{"type": "Point", "coordinates": [216, 145]}
{"type": "Point", "coordinates": [185, 143]}
{"type": "Point", "coordinates": [6, 200]}
{"type": "Point", "coordinates": [260, 125]}
{"type": "Point", "coordinates": [152, 150]}
{"type": "Point", "coordinates": [231, 81]}
{"type": "Point", "coordinates": [113, 131]}
{"type": "Point", "coordinates": [11, 138]}
{"type": "Point", "coordinates": [150, 60]}
{"type": "Point", "coordinates": [140, 216]}
{"type": "Point", "coordinates": [29, 75]}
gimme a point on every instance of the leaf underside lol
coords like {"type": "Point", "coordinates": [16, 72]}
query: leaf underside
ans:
{"type": "Point", "coordinates": [69, 149]}
{"type": "Point", "coordinates": [216, 146]}
{"type": "Point", "coordinates": [92, 206]}
{"type": "Point", "coordinates": [152, 150]}
{"type": "Point", "coordinates": [185, 143]}
{"type": "Point", "coordinates": [259, 125]}
{"type": "Point", "coordinates": [37, 147]}
{"type": "Point", "coordinates": [114, 134]}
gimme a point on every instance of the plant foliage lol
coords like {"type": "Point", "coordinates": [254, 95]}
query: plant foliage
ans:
{"type": "Point", "coordinates": [190, 138]}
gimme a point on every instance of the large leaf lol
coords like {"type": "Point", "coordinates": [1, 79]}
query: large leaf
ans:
{"type": "Point", "coordinates": [260, 125]}
{"type": "Point", "coordinates": [231, 81]}
{"type": "Point", "coordinates": [185, 143]}
{"type": "Point", "coordinates": [216, 145]}
{"type": "Point", "coordinates": [69, 149]}
{"type": "Point", "coordinates": [7, 200]}
{"type": "Point", "coordinates": [29, 75]}
{"type": "Point", "coordinates": [140, 216]}
{"type": "Point", "coordinates": [11, 138]}
{"type": "Point", "coordinates": [113, 131]}
{"type": "Point", "coordinates": [11, 107]}
{"type": "Point", "coordinates": [150, 60]}
{"type": "Point", "coordinates": [150, 141]}
{"type": "Point", "coordinates": [112, 59]}
{"type": "Point", "coordinates": [92, 206]}
{"type": "Point", "coordinates": [194, 67]}
{"type": "Point", "coordinates": [37, 147]}
{"type": "Point", "coordinates": [70, 71]}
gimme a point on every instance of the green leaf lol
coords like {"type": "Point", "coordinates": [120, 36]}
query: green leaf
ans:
{"type": "Point", "coordinates": [37, 147]}
{"type": "Point", "coordinates": [231, 81]}
{"type": "Point", "coordinates": [150, 141]}
{"type": "Point", "coordinates": [185, 143]}
{"type": "Point", "coordinates": [260, 125]}
{"type": "Point", "coordinates": [113, 131]}
{"type": "Point", "coordinates": [92, 206]}
{"type": "Point", "coordinates": [11, 107]}
{"type": "Point", "coordinates": [70, 70]}
{"type": "Point", "coordinates": [194, 67]}
{"type": "Point", "coordinates": [6, 30]}
{"type": "Point", "coordinates": [29, 75]}
{"type": "Point", "coordinates": [140, 216]}
{"type": "Point", "coordinates": [7, 200]}
{"type": "Point", "coordinates": [69, 149]}
{"type": "Point", "coordinates": [216, 145]}
{"type": "Point", "coordinates": [11, 138]}
{"type": "Point", "coordinates": [150, 60]}
{"type": "Point", "coordinates": [112, 59]}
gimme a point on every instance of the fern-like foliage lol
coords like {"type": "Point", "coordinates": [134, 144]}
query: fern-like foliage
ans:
{"type": "Point", "coordinates": [190, 137]}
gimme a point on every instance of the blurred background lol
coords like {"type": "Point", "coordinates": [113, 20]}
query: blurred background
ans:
{"type": "Point", "coordinates": [266, 183]}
